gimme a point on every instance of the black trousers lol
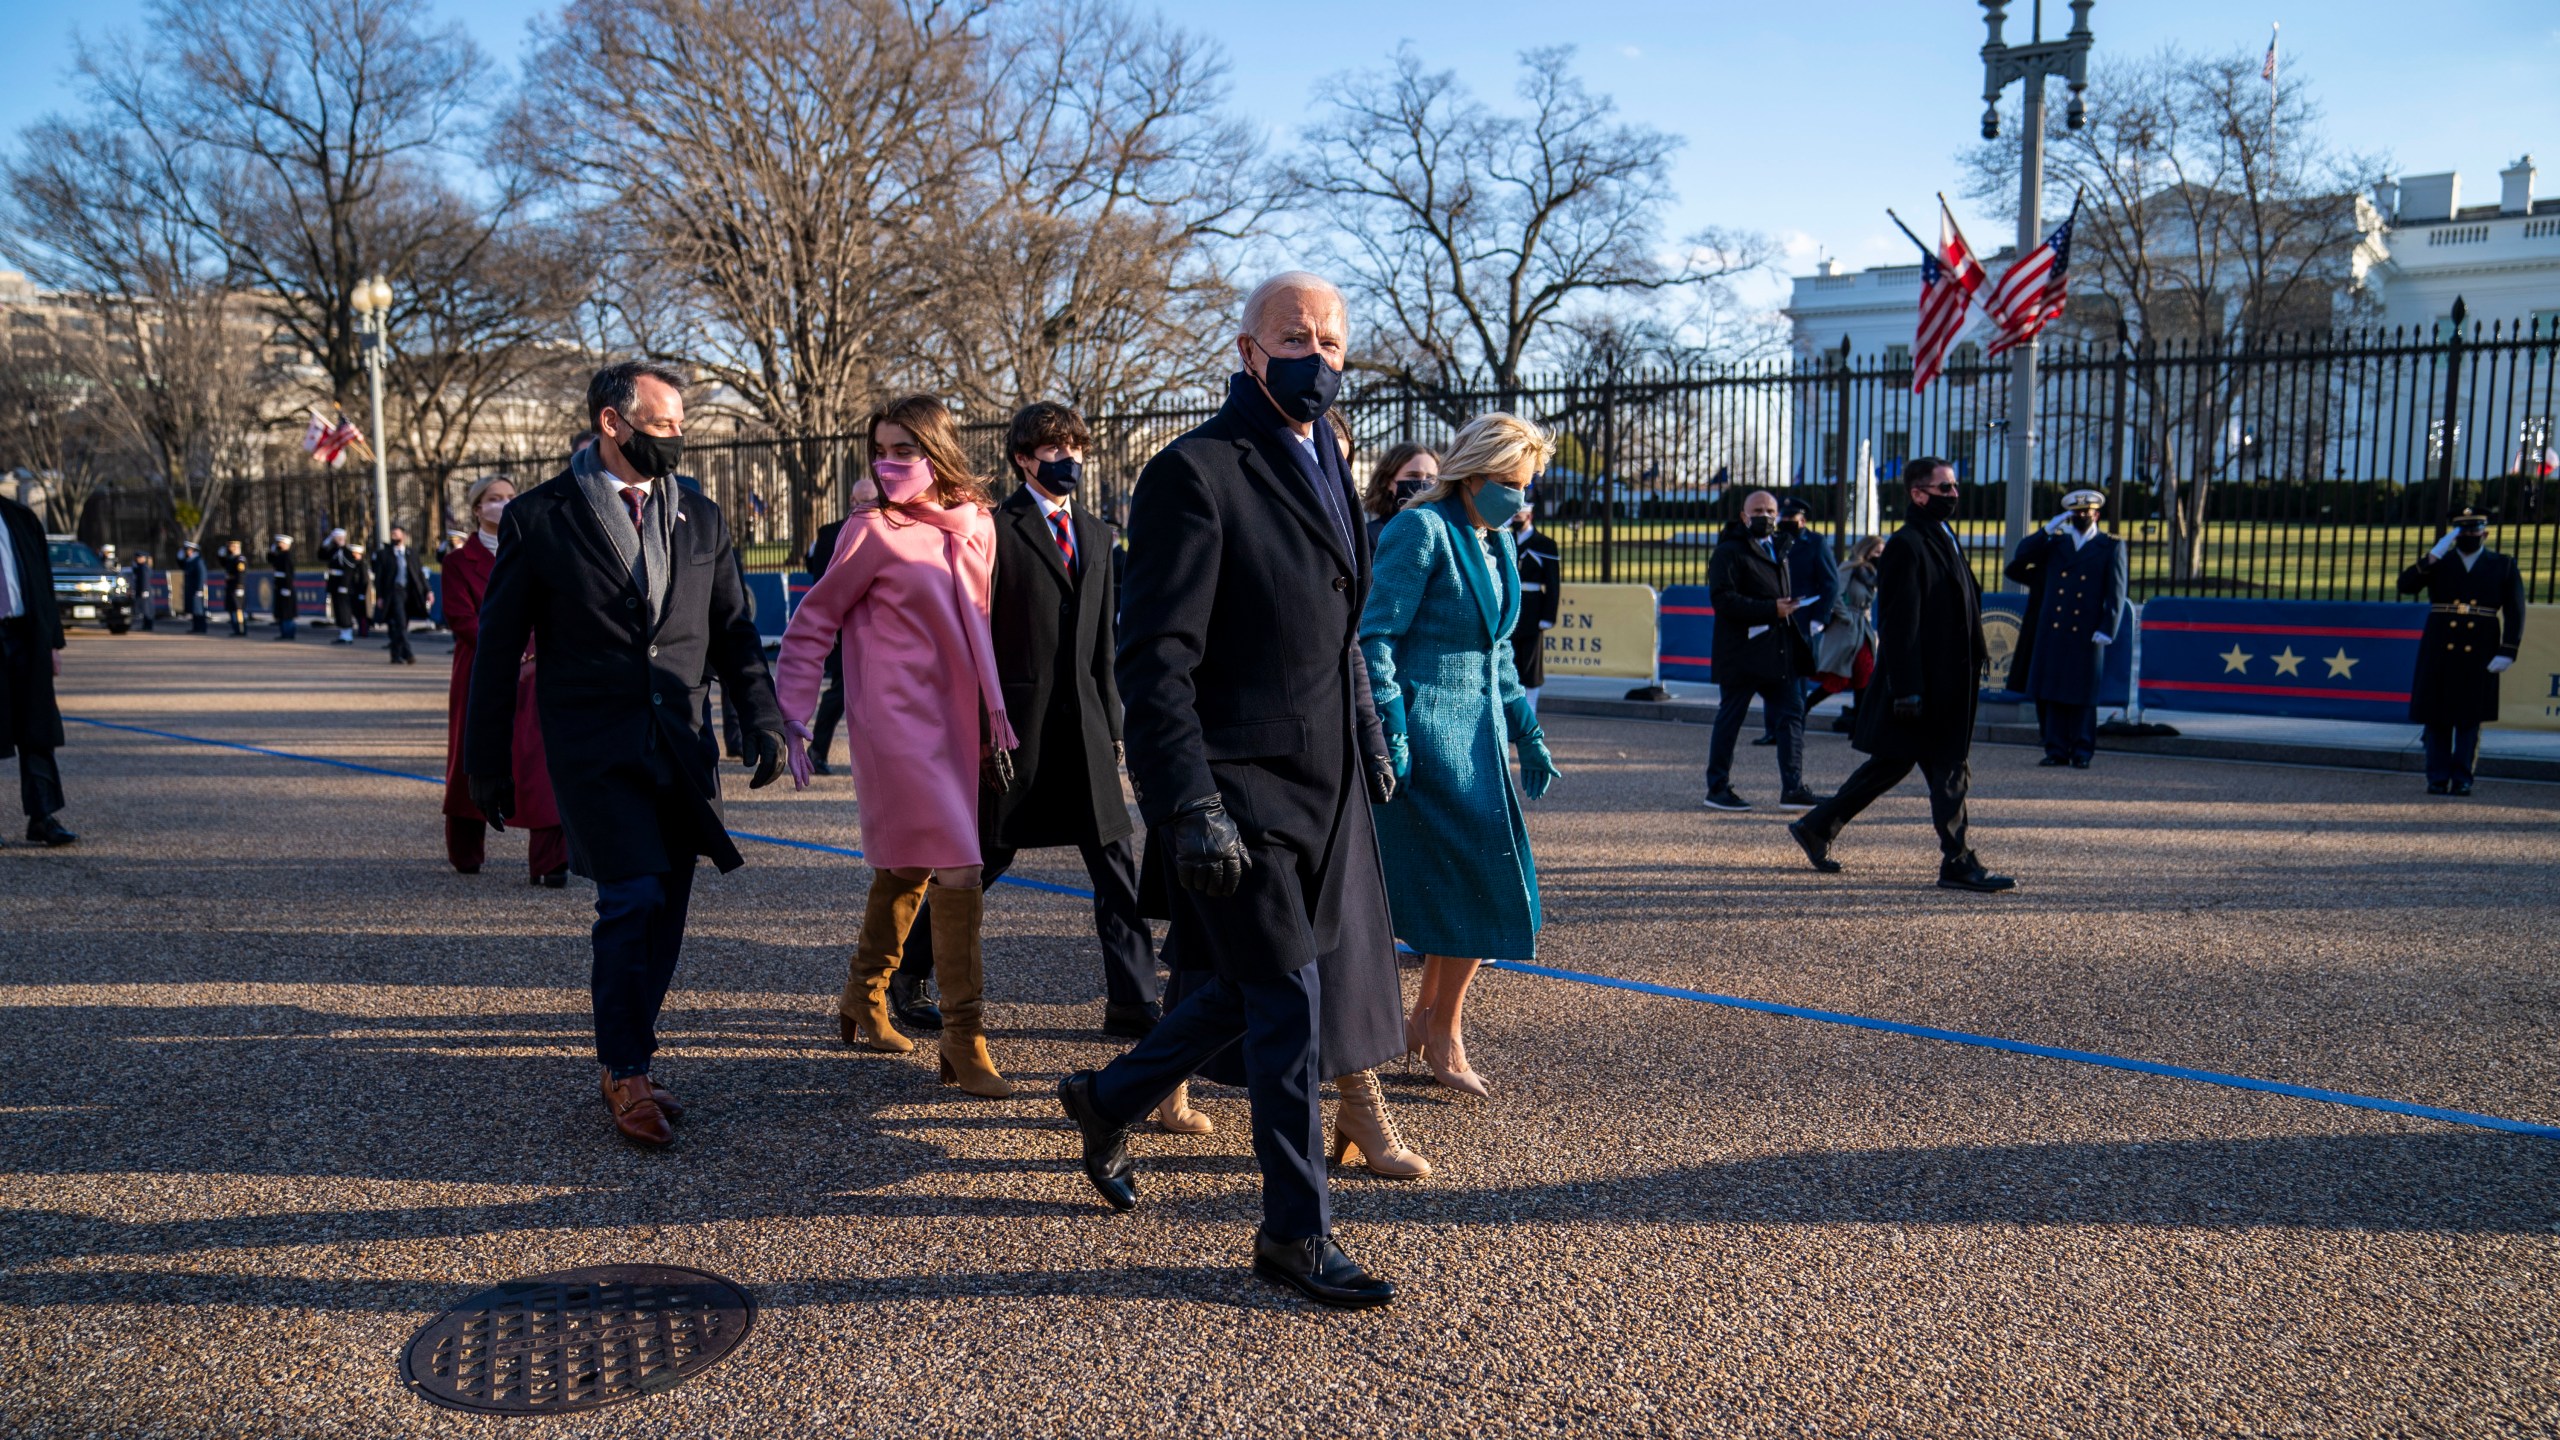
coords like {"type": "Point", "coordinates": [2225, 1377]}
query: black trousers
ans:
{"type": "Point", "coordinates": [1274, 1023]}
{"type": "Point", "coordinates": [2070, 731]}
{"type": "Point", "coordinates": [1785, 704]}
{"type": "Point", "coordinates": [39, 782]}
{"type": "Point", "coordinates": [1949, 780]}
{"type": "Point", "coordinates": [2451, 752]}
{"type": "Point", "coordinates": [822, 734]}
{"type": "Point", "coordinates": [1128, 954]}
{"type": "Point", "coordinates": [395, 618]}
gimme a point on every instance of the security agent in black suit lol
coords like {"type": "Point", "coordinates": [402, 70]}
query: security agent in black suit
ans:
{"type": "Point", "coordinates": [1541, 598]}
{"type": "Point", "coordinates": [402, 583]}
{"type": "Point", "coordinates": [1927, 685]}
{"type": "Point", "coordinates": [822, 733]}
{"type": "Point", "coordinates": [1814, 577]}
{"type": "Point", "coordinates": [629, 588]}
{"type": "Point", "coordinates": [1758, 652]}
{"type": "Point", "coordinates": [1247, 571]}
{"type": "Point", "coordinates": [1051, 612]}
{"type": "Point", "coordinates": [30, 657]}
{"type": "Point", "coordinates": [194, 586]}
{"type": "Point", "coordinates": [235, 590]}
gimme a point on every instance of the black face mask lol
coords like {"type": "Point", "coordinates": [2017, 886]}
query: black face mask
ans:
{"type": "Point", "coordinates": [1303, 388]}
{"type": "Point", "coordinates": [1407, 489]}
{"type": "Point", "coordinates": [1761, 525]}
{"type": "Point", "coordinates": [2469, 541]}
{"type": "Point", "coordinates": [1940, 508]}
{"type": "Point", "coordinates": [1059, 477]}
{"type": "Point", "coordinates": [2082, 520]}
{"type": "Point", "coordinates": [652, 455]}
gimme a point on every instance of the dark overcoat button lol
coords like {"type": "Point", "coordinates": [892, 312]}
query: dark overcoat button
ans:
{"type": "Point", "coordinates": [630, 602]}
{"type": "Point", "coordinates": [1341, 582]}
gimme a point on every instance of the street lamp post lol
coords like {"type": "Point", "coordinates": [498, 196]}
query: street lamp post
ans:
{"type": "Point", "coordinates": [2030, 64]}
{"type": "Point", "coordinates": [372, 300]}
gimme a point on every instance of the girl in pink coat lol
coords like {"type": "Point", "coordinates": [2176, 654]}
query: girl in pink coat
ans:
{"type": "Point", "coordinates": [907, 592]}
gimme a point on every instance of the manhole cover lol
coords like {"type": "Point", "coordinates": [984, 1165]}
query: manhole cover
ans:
{"type": "Point", "coordinates": [577, 1340]}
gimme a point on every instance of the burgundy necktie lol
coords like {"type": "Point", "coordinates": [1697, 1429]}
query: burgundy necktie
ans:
{"type": "Point", "coordinates": [1066, 535]}
{"type": "Point", "coordinates": [638, 500]}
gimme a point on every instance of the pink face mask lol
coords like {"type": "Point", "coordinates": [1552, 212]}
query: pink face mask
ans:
{"type": "Point", "coordinates": [903, 481]}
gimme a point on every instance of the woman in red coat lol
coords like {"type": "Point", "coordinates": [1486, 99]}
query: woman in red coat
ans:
{"type": "Point", "coordinates": [466, 832]}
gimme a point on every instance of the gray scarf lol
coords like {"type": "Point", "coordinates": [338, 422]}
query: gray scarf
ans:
{"type": "Point", "coordinates": [644, 551]}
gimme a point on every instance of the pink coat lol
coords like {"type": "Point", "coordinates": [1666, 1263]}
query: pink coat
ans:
{"type": "Point", "coordinates": [909, 596]}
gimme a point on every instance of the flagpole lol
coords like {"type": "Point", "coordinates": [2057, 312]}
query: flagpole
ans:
{"type": "Point", "coordinates": [2022, 359]}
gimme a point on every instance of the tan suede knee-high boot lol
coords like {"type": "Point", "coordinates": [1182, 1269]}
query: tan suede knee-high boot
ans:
{"type": "Point", "coordinates": [862, 1011]}
{"type": "Point", "coordinates": [959, 972]}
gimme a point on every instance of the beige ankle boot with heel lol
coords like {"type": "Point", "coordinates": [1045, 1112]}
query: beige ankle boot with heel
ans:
{"type": "Point", "coordinates": [1365, 1134]}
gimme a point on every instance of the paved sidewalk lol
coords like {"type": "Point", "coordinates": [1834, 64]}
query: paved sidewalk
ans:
{"type": "Point", "coordinates": [2268, 739]}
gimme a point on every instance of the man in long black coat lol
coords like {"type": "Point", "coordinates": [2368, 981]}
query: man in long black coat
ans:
{"type": "Point", "coordinates": [235, 589]}
{"type": "Point", "coordinates": [1541, 595]}
{"type": "Point", "coordinates": [630, 589]}
{"type": "Point", "coordinates": [30, 656]}
{"type": "Point", "coordinates": [1927, 685]}
{"type": "Point", "coordinates": [1051, 612]}
{"type": "Point", "coordinates": [1238, 658]}
{"type": "Point", "coordinates": [1758, 652]}
{"type": "Point", "coordinates": [401, 582]}
{"type": "Point", "coordinates": [1813, 577]}
{"type": "Point", "coordinates": [2473, 631]}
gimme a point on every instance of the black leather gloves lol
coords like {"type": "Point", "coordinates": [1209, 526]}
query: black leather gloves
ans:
{"type": "Point", "coordinates": [995, 771]}
{"type": "Point", "coordinates": [1382, 779]}
{"type": "Point", "coordinates": [1906, 709]}
{"type": "Point", "coordinates": [765, 748]}
{"type": "Point", "coordinates": [1208, 851]}
{"type": "Point", "coordinates": [495, 797]}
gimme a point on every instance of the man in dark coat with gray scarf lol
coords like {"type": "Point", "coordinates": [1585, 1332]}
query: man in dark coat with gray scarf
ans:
{"type": "Point", "coordinates": [1255, 771]}
{"type": "Point", "coordinates": [30, 656]}
{"type": "Point", "coordinates": [1920, 705]}
{"type": "Point", "coordinates": [630, 588]}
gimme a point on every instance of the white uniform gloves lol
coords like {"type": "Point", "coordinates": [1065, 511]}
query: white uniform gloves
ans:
{"type": "Point", "coordinates": [2498, 664]}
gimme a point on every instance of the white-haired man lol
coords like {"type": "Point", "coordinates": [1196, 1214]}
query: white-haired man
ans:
{"type": "Point", "coordinates": [1255, 751]}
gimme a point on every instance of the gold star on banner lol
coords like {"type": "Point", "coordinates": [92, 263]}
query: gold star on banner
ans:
{"type": "Point", "coordinates": [2341, 665]}
{"type": "Point", "coordinates": [2289, 663]}
{"type": "Point", "coordinates": [2236, 658]}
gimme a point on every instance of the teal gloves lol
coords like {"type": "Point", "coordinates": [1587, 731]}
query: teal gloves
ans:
{"type": "Point", "coordinates": [1400, 755]}
{"type": "Point", "coordinates": [1537, 767]}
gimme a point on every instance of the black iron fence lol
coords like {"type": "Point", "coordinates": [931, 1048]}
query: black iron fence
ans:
{"type": "Point", "coordinates": [2314, 467]}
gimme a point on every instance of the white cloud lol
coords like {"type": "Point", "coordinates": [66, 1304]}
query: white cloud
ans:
{"type": "Point", "coordinates": [1632, 52]}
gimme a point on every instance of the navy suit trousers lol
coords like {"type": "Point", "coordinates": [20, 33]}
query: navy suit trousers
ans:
{"type": "Point", "coordinates": [2451, 752]}
{"type": "Point", "coordinates": [1274, 1022]}
{"type": "Point", "coordinates": [2070, 731]}
{"type": "Point", "coordinates": [639, 931]}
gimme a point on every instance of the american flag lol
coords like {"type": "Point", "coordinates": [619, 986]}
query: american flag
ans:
{"type": "Point", "coordinates": [1948, 278]}
{"type": "Point", "coordinates": [2267, 72]}
{"type": "Point", "coordinates": [2032, 292]}
{"type": "Point", "coordinates": [328, 443]}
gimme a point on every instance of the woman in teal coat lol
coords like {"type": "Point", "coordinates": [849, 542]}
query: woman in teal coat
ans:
{"type": "Point", "coordinates": [1444, 595]}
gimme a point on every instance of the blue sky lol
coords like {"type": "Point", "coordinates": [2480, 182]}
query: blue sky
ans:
{"type": "Point", "coordinates": [1803, 120]}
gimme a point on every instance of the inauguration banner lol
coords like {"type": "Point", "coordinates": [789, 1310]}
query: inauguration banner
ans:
{"type": "Point", "coordinates": [1604, 630]}
{"type": "Point", "coordinates": [2529, 693]}
{"type": "Point", "coordinates": [1688, 634]}
{"type": "Point", "coordinates": [2315, 659]}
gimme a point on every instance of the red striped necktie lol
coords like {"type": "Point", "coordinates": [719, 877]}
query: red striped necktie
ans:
{"type": "Point", "coordinates": [1066, 537]}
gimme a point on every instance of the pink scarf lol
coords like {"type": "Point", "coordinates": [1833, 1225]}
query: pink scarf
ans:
{"type": "Point", "coordinates": [954, 524]}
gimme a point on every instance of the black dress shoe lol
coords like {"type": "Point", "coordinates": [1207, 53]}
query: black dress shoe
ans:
{"type": "Point", "coordinates": [1106, 1145]}
{"type": "Point", "coordinates": [1971, 876]}
{"type": "Point", "coordinates": [2460, 787]}
{"type": "Point", "coordinates": [1817, 851]}
{"type": "Point", "coordinates": [2053, 760]}
{"type": "Point", "coordinates": [818, 766]}
{"type": "Point", "coordinates": [45, 830]}
{"type": "Point", "coordinates": [2439, 787]}
{"type": "Point", "coordinates": [1799, 799]}
{"type": "Point", "coordinates": [553, 879]}
{"type": "Point", "coordinates": [2079, 762]}
{"type": "Point", "coordinates": [1131, 1022]}
{"type": "Point", "coordinates": [1316, 1268]}
{"type": "Point", "coordinates": [1725, 799]}
{"type": "Point", "coordinates": [907, 1004]}
{"type": "Point", "coordinates": [1766, 740]}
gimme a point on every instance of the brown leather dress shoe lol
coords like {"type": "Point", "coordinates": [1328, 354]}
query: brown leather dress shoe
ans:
{"type": "Point", "coordinates": [635, 1111]}
{"type": "Point", "coordinates": [666, 1098]}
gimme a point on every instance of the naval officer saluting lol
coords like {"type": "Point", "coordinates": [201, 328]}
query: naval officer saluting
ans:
{"type": "Point", "coordinates": [2471, 638]}
{"type": "Point", "coordinates": [2075, 578]}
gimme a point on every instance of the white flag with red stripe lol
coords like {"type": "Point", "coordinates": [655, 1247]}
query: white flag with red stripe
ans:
{"type": "Point", "coordinates": [1948, 278]}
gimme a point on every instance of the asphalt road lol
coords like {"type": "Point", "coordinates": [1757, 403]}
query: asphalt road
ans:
{"type": "Point", "coordinates": [280, 1087]}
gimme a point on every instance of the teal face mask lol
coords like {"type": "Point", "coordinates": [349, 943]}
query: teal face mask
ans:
{"type": "Point", "coordinates": [1498, 503]}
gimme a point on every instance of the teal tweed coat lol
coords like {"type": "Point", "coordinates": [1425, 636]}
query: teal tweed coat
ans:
{"type": "Point", "coordinates": [1437, 635]}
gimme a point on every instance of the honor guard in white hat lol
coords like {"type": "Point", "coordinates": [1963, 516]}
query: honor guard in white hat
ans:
{"type": "Point", "coordinates": [2074, 572]}
{"type": "Point", "coordinates": [2474, 624]}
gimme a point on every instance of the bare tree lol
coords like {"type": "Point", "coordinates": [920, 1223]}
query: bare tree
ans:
{"type": "Point", "coordinates": [769, 171]}
{"type": "Point", "coordinates": [1470, 231]}
{"type": "Point", "coordinates": [2210, 218]}
{"type": "Point", "coordinates": [1080, 267]}
{"type": "Point", "coordinates": [173, 362]}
